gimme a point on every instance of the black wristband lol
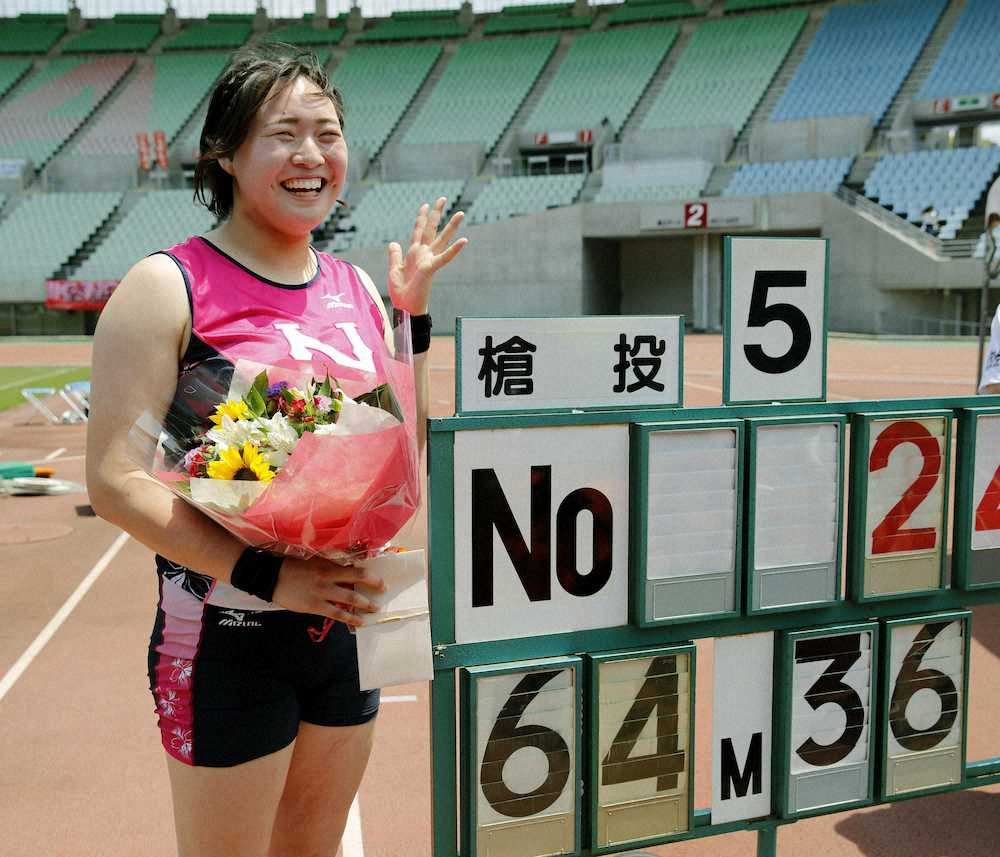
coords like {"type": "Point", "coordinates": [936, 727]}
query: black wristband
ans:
{"type": "Point", "coordinates": [420, 331]}
{"type": "Point", "coordinates": [256, 572]}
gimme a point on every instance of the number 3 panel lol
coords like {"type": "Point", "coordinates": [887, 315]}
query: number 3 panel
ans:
{"type": "Point", "coordinates": [926, 689]}
{"type": "Point", "coordinates": [520, 745]}
{"type": "Point", "coordinates": [686, 506]}
{"type": "Point", "coordinates": [826, 744]}
{"type": "Point", "coordinates": [899, 502]}
{"type": "Point", "coordinates": [795, 490]}
{"type": "Point", "coordinates": [641, 711]}
{"type": "Point", "coordinates": [976, 546]}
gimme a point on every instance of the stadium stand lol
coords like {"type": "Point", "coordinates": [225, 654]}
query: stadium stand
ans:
{"type": "Point", "coordinates": [11, 71]}
{"type": "Point", "coordinates": [951, 180]}
{"type": "Point", "coordinates": [820, 175]}
{"type": "Point", "coordinates": [601, 77]}
{"type": "Point", "coordinates": [66, 220]}
{"type": "Point", "coordinates": [381, 80]}
{"type": "Point", "coordinates": [509, 197]}
{"type": "Point", "coordinates": [386, 212]}
{"type": "Point", "coordinates": [123, 33]}
{"type": "Point", "coordinates": [634, 11]}
{"type": "Point", "coordinates": [305, 34]}
{"type": "Point", "coordinates": [159, 219]}
{"type": "Point", "coordinates": [536, 18]}
{"type": "Point", "coordinates": [53, 103]}
{"type": "Point", "coordinates": [161, 96]}
{"type": "Point", "coordinates": [859, 59]}
{"type": "Point", "coordinates": [215, 33]}
{"type": "Point", "coordinates": [969, 63]}
{"type": "Point", "coordinates": [30, 34]}
{"type": "Point", "coordinates": [724, 71]}
{"type": "Point", "coordinates": [404, 26]}
{"type": "Point", "coordinates": [754, 5]}
{"type": "Point", "coordinates": [504, 71]}
{"type": "Point", "coordinates": [661, 180]}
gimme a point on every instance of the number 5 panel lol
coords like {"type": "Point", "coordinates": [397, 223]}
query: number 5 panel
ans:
{"type": "Point", "coordinates": [898, 505]}
{"type": "Point", "coordinates": [642, 776]}
{"type": "Point", "coordinates": [976, 545]}
{"type": "Point", "coordinates": [795, 489]}
{"type": "Point", "coordinates": [520, 740]}
{"type": "Point", "coordinates": [826, 686]}
{"type": "Point", "coordinates": [922, 744]}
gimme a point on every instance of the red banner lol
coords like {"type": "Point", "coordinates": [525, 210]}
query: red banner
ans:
{"type": "Point", "coordinates": [160, 144]}
{"type": "Point", "coordinates": [78, 294]}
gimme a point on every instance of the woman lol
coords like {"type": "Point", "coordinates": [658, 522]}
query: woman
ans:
{"type": "Point", "coordinates": [266, 732]}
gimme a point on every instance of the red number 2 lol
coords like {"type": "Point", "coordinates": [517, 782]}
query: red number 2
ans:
{"type": "Point", "coordinates": [888, 536]}
{"type": "Point", "coordinates": [988, 510]}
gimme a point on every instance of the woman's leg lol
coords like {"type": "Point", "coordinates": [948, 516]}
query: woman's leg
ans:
{"type": "Point", "coordinates": [222, 812]}
{"type": "Point", "coordinates": [325, 774]}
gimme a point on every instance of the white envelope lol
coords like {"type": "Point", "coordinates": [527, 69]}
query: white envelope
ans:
{"type": "Point", "coordinates": [394, 644]}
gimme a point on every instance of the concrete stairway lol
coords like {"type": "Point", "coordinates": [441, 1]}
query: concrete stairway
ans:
{"type": "Point", "coordinates": [656, 83]}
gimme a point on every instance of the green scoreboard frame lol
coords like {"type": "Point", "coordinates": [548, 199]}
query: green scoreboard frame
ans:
{"type": "Point", "coordinates": [453, 807]}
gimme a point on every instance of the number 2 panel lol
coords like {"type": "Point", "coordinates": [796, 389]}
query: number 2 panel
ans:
{"type": "Point", "coordinates": [926, 670]}
{"type": "Point", "coordinates": [520, 745]}
{"type": "Point", "coordinates": [899, 481]}
{"type": "Point", "coordinates": [976, 545]}
{"type": "Point", "coordinates": [642, 709]}
{"type": "Point", "coordinates": [828, 682]}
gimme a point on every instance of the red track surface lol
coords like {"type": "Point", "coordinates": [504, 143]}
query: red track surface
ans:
{"type": "Point", "coordinates": [82, 773]}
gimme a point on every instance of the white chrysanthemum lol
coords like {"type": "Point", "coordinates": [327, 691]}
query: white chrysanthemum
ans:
{"type": "Point", "coordinates": [281, 438]}
{"type": "Point", "coordinates": [236, 433]}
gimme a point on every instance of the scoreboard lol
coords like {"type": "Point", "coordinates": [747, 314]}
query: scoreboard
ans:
{"type": "Point", "coordinates": [581, 541]}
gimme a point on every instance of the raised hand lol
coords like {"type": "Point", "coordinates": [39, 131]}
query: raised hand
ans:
{"type": "Point", "coordinates": [410, 275]}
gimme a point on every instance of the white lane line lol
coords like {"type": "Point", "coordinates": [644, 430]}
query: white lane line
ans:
{"type": "Point", "coordinates": [407, 697]}
{"type": "Point", "coordinates": [23, 662]}
{"type": "Point", "coordinates": [351, 845]}
{"type": "Point", "coordinates": [55, 454]}
{"type": "Point", "coordinates": [64, 458]}
{"type": "Point", "coordinates": [29, 379]}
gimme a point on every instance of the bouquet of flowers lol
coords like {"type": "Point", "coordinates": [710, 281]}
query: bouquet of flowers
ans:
{"type": "Point", "coordinates": [289, 464]}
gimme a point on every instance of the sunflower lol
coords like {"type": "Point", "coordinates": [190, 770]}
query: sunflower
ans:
{"type": "Point", "coordinates": [235, 409]}
{"type": "Point", "coordinates": [249, 465]}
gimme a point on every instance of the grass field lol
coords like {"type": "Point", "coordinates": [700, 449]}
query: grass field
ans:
{"type": "Point", "coordinates": [14, 378]}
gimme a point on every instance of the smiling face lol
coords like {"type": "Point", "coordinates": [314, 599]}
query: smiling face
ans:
{"type": "Point", "coordinates": [290, 169]}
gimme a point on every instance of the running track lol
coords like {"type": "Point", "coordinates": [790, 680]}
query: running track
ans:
{"type": "Point", "coordinates": [82, 773]}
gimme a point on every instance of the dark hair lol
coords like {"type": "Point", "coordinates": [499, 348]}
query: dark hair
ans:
{"type": "Point", "coordinates": [252, 74]}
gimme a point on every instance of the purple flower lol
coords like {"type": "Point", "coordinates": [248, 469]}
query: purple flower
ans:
{"type": "Point", "coordinates": [275, 389]}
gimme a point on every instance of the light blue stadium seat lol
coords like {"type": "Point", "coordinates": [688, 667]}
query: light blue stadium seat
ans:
{"type": "Point", "coordinates": [969, 63]}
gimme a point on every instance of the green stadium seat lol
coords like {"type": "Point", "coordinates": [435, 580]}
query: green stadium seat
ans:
{"type": "Point", "coordinates": [305, 34]}
{"type": "Point", "coordinates": [504, 72]}
{"type": "Point", "coordinates": [115, 35]}
{"type": "Point", "coordinates": [724, 71]}
{"type": "Point", "coordinates": [507, 22]}
{"type": "Point", "coordinates": [404, 27]}
{"type": "Point", "coordinates": [158, 220]}
{"type": "Point", "coordinates": [215, 32]}
{"type": "Point", "coordinates": [378, 83]}
{"type": "Point", "coordinates": [657, 10]}
{"type": "Point", "coordinates": [11, 71]}
{"type": "Point", "coordinates": [602, 76]}
{"type": "Point", "coordinates": [64, 220]}
{"type": "Point", "coordinates": [53, 103]}
{"type": "Point", "coordinates": [511, 196]}
{"type": "Point", "coordinates": [28, 35]}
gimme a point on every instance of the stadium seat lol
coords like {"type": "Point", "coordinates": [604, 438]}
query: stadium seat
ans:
{"type": "Point", "coordinates": [31, 34]}
{"type": "Point", "coordinates": [66, 220]}
{"type": "Point", "coordinates": [504, 71]}
{"type": "Point", "coordinates": [123, 33]}
{"type": "Point", "coordinates": [536, 17]}
{"type": "Point", "coordinates": [859, 59]}
{"type": "Point", "coordinates": [654, 180]}
{"type": "Point", "coordinates": [724, 72]}
{"type": "Point", "coordinates": [404, 26]}
{"type": "Point", "coordinates": [632, 12]}
{"type": "Point", "coordinates": [11, 71]}
{"type": "Point", "coordinates": [507, 197]}
{"type": "Point", "coordinates": [821, 175]}
{"type": "Point", "coordinates": [158, 220]}
{"type": "Point", "coordinates": [305, 34]}
{"type": "Point", "coordinates": [215, 33]}
{"type": "Point", "coordinates": [602, 77]}
{"type": "Point", "coordinates": [969, 63]}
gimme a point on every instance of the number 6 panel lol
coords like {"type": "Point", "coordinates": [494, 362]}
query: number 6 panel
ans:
{"type": "Point", "coordinates": [520, 745]}
{"type": "Point", "coordinates": [897, 524]}
{"type": "Point", "coordinates": [826, 686]}
{"type": "Point", "coordinates": [642, 775]}
{"type": "Point", "coordinates": [976, 545]}
{"type": "Point", "coordinates": [925, 693]}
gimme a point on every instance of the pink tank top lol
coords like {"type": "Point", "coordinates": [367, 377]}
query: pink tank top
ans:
{"type": "Point", "coordinates": [330, 324]}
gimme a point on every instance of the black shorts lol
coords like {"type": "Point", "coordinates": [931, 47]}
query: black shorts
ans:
{"type": "Point", "coordinates": [232, 685]}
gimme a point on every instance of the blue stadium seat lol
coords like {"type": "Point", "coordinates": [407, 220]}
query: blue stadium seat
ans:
{"type": "Point", "coordinates": [969, 62]}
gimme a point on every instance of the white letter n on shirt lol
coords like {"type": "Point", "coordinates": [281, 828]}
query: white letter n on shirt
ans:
{"type": "Point", "coordinates": [301, 344]}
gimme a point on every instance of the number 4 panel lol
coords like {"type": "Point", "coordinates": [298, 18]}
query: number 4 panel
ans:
{"type": "Point", "coordinates": [795, 489]}
{"type": "Point", "coordinates": [925, 694]}
{"type": "Point", "coordinates": [976, 545]}
{"type": "Point", "coordinates": [520, 745]}
{"type": "Point", "coordinates": [641, 711]}
{"type": "Point", "coordinates": [899, 502]}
